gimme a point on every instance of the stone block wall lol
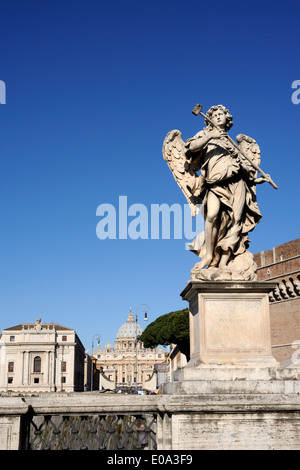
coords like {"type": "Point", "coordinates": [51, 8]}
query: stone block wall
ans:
{"type": "Point", "coordinates": [282, 265]}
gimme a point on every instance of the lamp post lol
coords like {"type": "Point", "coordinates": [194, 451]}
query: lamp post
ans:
{"type": "Point", "coordinates": [144, 308]}
{"type": "Point", "coordinates": [92, 365]}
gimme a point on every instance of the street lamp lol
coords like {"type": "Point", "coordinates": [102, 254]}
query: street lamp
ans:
{"type": "Point", "coordinates": [92, 368]}
{"type": "Point", "coordinates": [144, 308]}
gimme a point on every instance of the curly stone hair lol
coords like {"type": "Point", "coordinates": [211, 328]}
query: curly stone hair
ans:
{"type": "Point", "coordinates": [210, 112]}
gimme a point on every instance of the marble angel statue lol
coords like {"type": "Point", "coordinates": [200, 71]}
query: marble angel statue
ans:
{"type": "Point", "coordinates": [226, 189]}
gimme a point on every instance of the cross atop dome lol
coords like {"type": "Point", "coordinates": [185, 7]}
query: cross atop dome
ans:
{"type": "Point", "coordinates": [130, 316]}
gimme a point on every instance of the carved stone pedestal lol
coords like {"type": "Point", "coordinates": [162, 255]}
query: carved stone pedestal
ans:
{"type": "Point", "coordinates": [230, 340]}
{"type": "Point", "coordinates": [229, 323]}
{"type": "Point", "coordinates": [231, 394]}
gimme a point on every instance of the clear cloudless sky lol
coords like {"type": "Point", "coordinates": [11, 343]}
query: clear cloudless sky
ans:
{"type": "Point", "coordinates": [92, 88]}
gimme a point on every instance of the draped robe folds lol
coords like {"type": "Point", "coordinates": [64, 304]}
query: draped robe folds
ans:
{"type": "Point", "coordinates": [227, 174]}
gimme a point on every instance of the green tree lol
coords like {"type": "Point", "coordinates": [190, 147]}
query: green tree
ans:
{"type": "Point", "coordinates": [170, 328]}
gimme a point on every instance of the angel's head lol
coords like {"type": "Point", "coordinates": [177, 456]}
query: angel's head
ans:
{"type": "Point", "coordinates": [220, 117]}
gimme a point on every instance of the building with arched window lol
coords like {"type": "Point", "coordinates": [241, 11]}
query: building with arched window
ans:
{"type": "Point", "coordinates": [37, 363]}
{"type": "Point", "coordinates": [41, 357]}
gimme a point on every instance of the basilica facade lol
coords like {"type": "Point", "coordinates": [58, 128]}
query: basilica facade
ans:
{"type": "Point", "coordinates": [128, 365]}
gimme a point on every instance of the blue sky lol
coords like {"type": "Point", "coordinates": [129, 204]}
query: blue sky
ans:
{"type": "Point", "coordinates": [92, 89]}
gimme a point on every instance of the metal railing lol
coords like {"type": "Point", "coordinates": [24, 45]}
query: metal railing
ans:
{"type": "Point", "coordinates": [90, 432]}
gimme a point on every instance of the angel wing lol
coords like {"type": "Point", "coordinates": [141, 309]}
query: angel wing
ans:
{"type": "Point", "coordinates": [174, 154]}
{"type": "Point", "coordinates": [250, 147]}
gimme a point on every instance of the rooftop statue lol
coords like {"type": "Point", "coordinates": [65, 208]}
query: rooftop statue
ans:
{"type": "Point", "coordinates": [226, 189]}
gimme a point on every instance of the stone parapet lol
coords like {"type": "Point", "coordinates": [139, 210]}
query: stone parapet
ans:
{"type": "Point", "coordinates": [244, 420]}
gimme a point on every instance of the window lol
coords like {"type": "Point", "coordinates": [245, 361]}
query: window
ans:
{"type": "Point", "coordinates": [10, 367]}
{"type": "Point", "coordinates": [63, 380]}
{"type": "Point", "coordinates": [64, 338]}
{"type": "Point", "coordinates": [12, 338]}
{"type": "Point", "coordinates": [36, 380]}
{"type": "Point", "coordinates": [63, 366]}
{"type": "Point", "coordinates": [10, 380]}
{"type": "Point", "coordinates": [37, 362]}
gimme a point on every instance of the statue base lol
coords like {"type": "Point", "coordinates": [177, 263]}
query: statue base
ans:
{"type": "Point", "coordinates": [241, 268]}
{"type": "Point", "coordinates": [230, 340]}
{"type": "Point", "coordinates": [229, 323]}
{"type": "Point", "coordinates": [231, 395]}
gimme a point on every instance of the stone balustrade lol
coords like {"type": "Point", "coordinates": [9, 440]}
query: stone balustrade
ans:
{"type": "Point", "coordinates": [234, 418]}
